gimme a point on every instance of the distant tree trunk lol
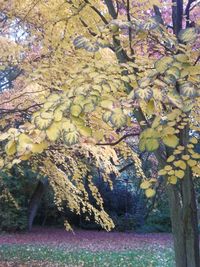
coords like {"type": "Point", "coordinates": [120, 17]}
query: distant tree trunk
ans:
{"type": "Point", "coordinates": [35, 201]}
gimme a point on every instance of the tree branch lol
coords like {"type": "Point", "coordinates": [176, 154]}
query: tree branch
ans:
{"type": "Point", "coordinates": [111, 8]}
{"type": "Point", "coordinates": [187, 12]}
{"type": "Point", "coordinates": [177, 15]}
{"type": "Point", "coordinates": [129, 29]}
{"type": "Point", "coordinates": [158, 13]}
{"type": "Point", "coordinates": [97, 11]}
{"type": "Point", "coordinates": [118, 141]}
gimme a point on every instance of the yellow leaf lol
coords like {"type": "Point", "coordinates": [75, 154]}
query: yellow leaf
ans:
{"type": "Point", "coordinates": [179, 173]}
{"type": "Point", "coordinates": [171, 158]}
{"type": "Point", "coordinates": [107, 104]}
{"type": "Point", "coordinates": [180, 148]}
{"type": "Point", "coordinates": [58, 115]}
{"type": "Point", "coordinates": [168, 168]}
{"type": "Point", "coordinates": [98, 135]}
{"type": "Point", "coordinates": [182, 58]}
{"type": "Point", "coordinates": [172, 179]}
{"type": "Point", "coordinates": [168, 131]}
{"type": "Point", "coordinates": [4, 136]}
{"type": "Point", "coordinates": [171, 140]}
{"type": "Point", "coordinates": [150, 192]}
{"type": "Point", "coordinates": [53, 132]}
{"type": "Point", "coordinates": [150, 107]}
{"type": "Point", "coordinates": [194, 140]}
{"type": "Point", "coordinates": [85, 131]}
{"type": "Point", "coordinates": [118, 119]}
{"type": "Point", "coordinates": [25, 157]}
{"type": "Point", "coordinates": [145, 185]}
{"type": "Point", "coordinates": [192, 162]}
{"type": "Point", "coordinates": [196, 156]}
{"type": "Point", "coordinates": [70, 138]}
{"type": "Point", "coordinates": [162, 172]}
{"type": "Point", "coordinates": [1, 163]}
{"type": "Point", "coordinates": [24, 139]}
{"type": "Point", "coordinates": [89, 107]}
{"type": "Point", "coordinates": [42, 123]}
{"type": "Point", "coordinates": [163, 64]}
{"type": "Point", "coordinates": [39, 148]}
{"type": "Point", "coordinates": [75, 110]}
{"type": "Point", "coordinates": [171, 172]}
{"type": "Point", "coordinates": [10, 148]}
{"type": "Point", "coordinates": [151, 144]}
{"type": "Point", "coordinates": [186, 157]}
{"type": "Point", "coordinates": [156, 122]}
{"type": "Point", "coordinates": [187, 35]}
{"type": "Point", "coordinates": [196, 170]}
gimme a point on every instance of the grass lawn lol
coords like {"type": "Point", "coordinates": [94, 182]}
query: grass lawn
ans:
{"type": "Point", "coordinates": [149, 257]}
{"type": "Point", "coordinates": [57, 248]}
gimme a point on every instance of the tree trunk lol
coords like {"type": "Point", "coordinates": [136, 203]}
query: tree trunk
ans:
{"type": "Point", "coordinates": [184, 223]}
{"type": "Point", "coordinates": [177, 226]}
{"type": "Point", "coordinates": [190, 221]}
{"type": "Point", "coordinates": [35, 201]}
{"type": "Point", "coordinates": [184, 217]}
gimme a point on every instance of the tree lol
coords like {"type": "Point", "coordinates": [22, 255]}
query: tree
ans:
{"type": "Point", "coordinates": [101, 75]}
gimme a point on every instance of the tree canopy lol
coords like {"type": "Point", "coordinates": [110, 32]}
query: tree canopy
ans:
{"type": "Point", "coordinates": [87, 75]}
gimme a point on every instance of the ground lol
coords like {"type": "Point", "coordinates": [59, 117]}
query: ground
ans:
{"type": "Point", "coordinates": [51, 247]}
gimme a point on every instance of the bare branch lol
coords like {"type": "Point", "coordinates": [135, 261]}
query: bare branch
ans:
{"type": "Point", "coordinates": [118, 141]}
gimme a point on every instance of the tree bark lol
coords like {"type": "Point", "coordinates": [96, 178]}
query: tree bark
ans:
{"type": "Point", "coordinates": [190, 221]}
{"type": "Point", "coordinates": [177, 226]}
{"type": "Point", "coordinates": [184, 223]}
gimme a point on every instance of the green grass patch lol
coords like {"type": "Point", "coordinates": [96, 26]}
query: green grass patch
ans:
{"type": "Point", "coordinates": [148, 257]}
